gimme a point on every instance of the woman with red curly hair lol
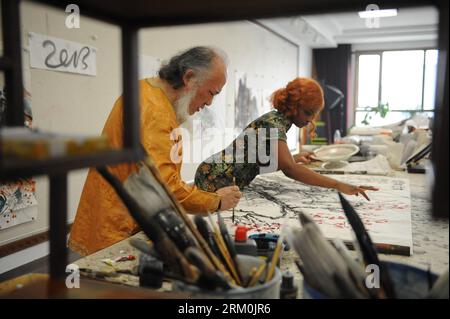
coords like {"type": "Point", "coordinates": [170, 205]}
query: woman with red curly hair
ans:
{"type": "Point", "coordinates": [262, 146]}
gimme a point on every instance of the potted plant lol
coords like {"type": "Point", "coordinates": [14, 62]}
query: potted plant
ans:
{"type": "Point", "coordinates": [381, 108]}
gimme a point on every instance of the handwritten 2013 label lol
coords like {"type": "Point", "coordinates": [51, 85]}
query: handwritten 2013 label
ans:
{"type": "Point", "coordinates": [55, 54]}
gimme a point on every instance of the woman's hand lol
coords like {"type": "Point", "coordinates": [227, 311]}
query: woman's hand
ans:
{"type": "Point", "coordinates": [303, 174]}
{"type": "Point", "coordinates": [303, 157]}
{"type": "Point", "coordinates": [355, 190]}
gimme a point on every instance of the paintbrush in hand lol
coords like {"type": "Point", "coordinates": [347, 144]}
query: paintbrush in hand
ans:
{"type": "Point", "coordinates": [232, 216]}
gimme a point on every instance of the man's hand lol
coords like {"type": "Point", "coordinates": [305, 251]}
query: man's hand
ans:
{"type": "Point", "coordinates": [355, 190]}
{"type": "Point", "coordinates": [229, 197]}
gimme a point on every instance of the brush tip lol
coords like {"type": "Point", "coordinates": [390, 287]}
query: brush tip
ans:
{"type": "Point", "coordinates": [342, 199]}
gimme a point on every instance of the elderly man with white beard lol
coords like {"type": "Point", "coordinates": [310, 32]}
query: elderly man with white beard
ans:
{"type": "Point", "coordinates": [185, 85]}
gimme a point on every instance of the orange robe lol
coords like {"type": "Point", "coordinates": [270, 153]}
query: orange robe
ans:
{"type": "Point", "coordinates": [102, 218]}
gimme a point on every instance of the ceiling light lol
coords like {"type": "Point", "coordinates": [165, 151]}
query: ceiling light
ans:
{"type": "Point", "coordinates": [378, 13]}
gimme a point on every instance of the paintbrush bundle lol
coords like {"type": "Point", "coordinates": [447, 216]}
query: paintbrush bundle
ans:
{"type": "Point", "coordinates": [322, 265]}
{"type": "Point", "coordinates": [204, 256]}
{"type": "Point", "coordinates": [330, 269]}
{"type": "Point", "coordinates": [219, 240]}
{"type": "Point", "coordinates": [367, 248]}
{"type": "Point", "coordinates": [177, 242]}
{"type": "Point", "coordinates": [149, 194]}
{"type": "Point", "coordinates": [144, 216]}
{"type": "Point", "coordinates": [344, 264]}
{"type": "Point", "coordinates": [440, 288]}
{"type": "Point", "coordinates": [355, 269]}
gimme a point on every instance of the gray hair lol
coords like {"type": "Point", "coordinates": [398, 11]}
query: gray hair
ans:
{"type": "Point", "coordinates": [199, 59]}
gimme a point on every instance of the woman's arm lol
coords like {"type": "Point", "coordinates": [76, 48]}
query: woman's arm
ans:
{"type": "Point", "coordinates": [302, 174]}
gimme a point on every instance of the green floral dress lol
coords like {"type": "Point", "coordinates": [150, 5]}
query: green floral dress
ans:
{"type": "Point", "coordinates": [252, 153]}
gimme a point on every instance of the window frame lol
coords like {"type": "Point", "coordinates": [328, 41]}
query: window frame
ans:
{"type": "Point", "coordinates": [380, 53]}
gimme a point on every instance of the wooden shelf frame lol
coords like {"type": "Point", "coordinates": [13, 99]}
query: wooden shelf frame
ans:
{"type": "Point", "coordinates": [132, 15]}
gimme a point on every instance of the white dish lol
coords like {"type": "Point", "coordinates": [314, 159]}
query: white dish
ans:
{"type": "Point", "coordinates": [335, 153]}
{"type": "Point", "coordinates": [309, 147]}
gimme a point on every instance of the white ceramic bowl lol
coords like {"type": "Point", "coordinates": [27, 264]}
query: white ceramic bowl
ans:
{"type": "Point", "coordinates": [335, 153]}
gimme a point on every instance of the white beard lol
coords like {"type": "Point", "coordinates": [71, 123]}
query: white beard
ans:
{"type": "Point", "coordinates": [181, 106]}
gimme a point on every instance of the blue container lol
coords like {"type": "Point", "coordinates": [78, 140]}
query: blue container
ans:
{"type": "Point", "coordinates": [409, 282]}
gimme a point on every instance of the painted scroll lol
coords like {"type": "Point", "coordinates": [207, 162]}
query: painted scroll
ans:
{"type": "Point", "coordinates": [272, 200]}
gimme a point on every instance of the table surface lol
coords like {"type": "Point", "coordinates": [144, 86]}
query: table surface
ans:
{"type": "Point", "coordinates": [430, 243]}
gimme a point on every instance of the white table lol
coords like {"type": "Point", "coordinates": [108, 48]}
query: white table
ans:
{"type": "Point", "coordinates": [430, 242]}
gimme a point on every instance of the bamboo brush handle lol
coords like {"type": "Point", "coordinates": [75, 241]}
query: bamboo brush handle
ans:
{"type": "Point", "coordinates": [168, 250]}
{"type": "Point", "coordinates": [180, 210]}
{"type": "Point", "coordinates": [274, 260]}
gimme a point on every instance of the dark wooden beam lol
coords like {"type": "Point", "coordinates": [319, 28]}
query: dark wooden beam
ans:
{"type": "Point", "coordinates": [131, 123]}
{"type": "Point", "coordinates": [441, 124]}
{"type": "Point", "coordinates": [12, 62]}
{"type": "Point", "coordinates": [13, 169]}
{"type": "Point", "coordinates": [58, 231]}
{"type": "Point", "coordinates": [5, 63]}
{"type": "Point", "coordinates": [144, 13]}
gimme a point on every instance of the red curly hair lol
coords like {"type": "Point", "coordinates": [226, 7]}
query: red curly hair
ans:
{"type": "Point", "coordinates": [298, 93]}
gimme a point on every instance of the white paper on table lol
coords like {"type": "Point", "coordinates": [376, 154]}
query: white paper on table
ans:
{"type": "Point", "coordinates": [378, 165]}
{"type": "Point", "coordinates": [273, 200]}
